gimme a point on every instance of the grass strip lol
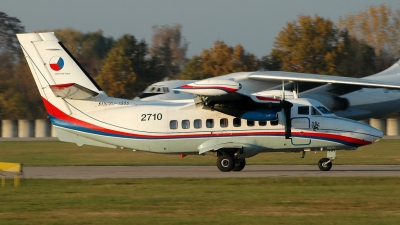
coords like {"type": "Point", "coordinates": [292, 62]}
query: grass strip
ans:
{"type": "Point", "coordinates": [202, 201]}
{"type": "Point", "coordinates": [385, 152]}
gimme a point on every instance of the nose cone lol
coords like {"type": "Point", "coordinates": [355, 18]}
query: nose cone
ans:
{"type": "Point", "coordinates": [376, 134]}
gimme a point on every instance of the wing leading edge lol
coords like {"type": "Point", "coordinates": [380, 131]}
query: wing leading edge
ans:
{"type": "Point", "coordinates": [304, 77]}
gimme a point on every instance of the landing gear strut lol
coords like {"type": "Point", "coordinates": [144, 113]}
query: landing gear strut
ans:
{"type": "Point", "coordinates": [239, 165]}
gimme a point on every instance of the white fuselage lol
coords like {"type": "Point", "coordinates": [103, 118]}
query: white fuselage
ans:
{"type": "Point", "coordinates": [180, 127]}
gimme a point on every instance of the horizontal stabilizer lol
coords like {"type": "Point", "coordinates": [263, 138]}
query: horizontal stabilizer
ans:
{"type": "Point", "coordinates": [72, 91]}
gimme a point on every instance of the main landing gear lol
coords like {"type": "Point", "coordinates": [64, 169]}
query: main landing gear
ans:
{"type": "Point", "coordinates": [227, 162]}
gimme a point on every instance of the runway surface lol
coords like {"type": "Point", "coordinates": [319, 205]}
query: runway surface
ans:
{"type": "Point", "coordinates": [94, 172]}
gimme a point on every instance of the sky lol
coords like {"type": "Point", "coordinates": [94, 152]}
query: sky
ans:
{"type": "Point", "coordinates": [252, 23]}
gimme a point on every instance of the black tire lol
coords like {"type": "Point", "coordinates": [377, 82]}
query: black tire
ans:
{"type": "Point", "coordinates": [327, 167]}
{"type": "Point", "coordinates": [239, 165]}
{"type": "Point", "coordinates": [225, 163]}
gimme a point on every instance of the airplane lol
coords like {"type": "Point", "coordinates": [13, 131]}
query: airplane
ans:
{"type": "Point", "coordinates": [345, 99]}
{"type": "Point", "coordinates": [225, 119]}
{"type": "Point", "coordinates": [163, 90]}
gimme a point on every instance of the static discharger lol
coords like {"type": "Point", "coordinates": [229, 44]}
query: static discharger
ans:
{"type": "Point", "coordinates": [13, 168]}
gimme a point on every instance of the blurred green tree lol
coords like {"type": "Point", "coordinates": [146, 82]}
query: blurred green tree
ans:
{"type": "Point", "coordinates": [128, 69]}
{"type": "Point", "coordinates": [315, 45]}
{"type": "Point", "coordinates": [170, 47]}
{"type": "Point", "coordinates": [379, 27]}
{"type": "Point", "coordinates": [221, 59]}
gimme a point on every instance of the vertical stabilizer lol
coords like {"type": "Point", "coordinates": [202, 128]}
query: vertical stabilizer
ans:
{"type": "Point", "coordinates": [391, 74]}
{"type": "Point", "coordinates": [53, 66]}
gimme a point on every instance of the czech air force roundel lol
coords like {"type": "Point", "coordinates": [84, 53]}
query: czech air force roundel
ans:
{"type": "Point", "coordinates": [56, 63]}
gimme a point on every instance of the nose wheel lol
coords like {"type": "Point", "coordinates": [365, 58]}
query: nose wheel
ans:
{"type": "Point", "coordinates": [325, 164]}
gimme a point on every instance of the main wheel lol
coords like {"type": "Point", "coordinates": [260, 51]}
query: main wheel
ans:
{"type": "Point", "coordinates": [239, 165]}
{"type": "Point", "coordinates": [225, 163]}
{"type": "Point", "coordinates": [327, 167]}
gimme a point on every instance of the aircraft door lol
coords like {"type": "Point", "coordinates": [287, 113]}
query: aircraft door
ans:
{"type": "Point", "coordinates": [301, 126]}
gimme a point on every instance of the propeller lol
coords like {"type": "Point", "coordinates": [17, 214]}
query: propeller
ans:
{"type": "Point", "coordinates": [287, 107]}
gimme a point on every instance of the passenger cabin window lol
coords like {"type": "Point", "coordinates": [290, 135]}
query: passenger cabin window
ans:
{"type": "Point", "coordinates": [262, 123]}
{"type": "Point", "coordinates": [250, 123]}
{"type": "Point", "coordinates": [173, 124]}
{"type": "Point", "coordinates": [185, 124]}
{"type": "Point", "coordinates": [315, 112]}
{"type": "Point", "coordinates": [237, 122]}
{"type": "Point", "coordinates": [209, 123]}
{"type": "Point", "coordinates": [197, 124]}
{"type": "Point", "coordinates": [303, 110]}
{"type": "Point", "coordinates": [223, 122]}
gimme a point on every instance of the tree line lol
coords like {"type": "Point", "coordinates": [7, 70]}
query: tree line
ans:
{"type": "Point", "coordinates": [357, 45]}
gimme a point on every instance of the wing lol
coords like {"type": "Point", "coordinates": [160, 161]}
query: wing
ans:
{"type": "Point", "coordinates": [324, 79]}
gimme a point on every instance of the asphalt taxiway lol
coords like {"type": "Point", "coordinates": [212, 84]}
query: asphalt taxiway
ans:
{"type": "Point", "coordinates": [96, 172]}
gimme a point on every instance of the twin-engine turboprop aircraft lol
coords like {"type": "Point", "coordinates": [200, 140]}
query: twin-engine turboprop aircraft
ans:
{"type": "Point", "coordinates": [354, 98]}
{"type": "Point", "coordinates": [222, 120]}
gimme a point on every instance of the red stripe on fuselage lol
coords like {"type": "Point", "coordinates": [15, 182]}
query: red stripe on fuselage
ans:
{"type": "Point", "coordinates": [64, 117]}
{"type": "Point", "coordinates": [267, 99]}
{"type": "Point", "coordinates": [187, 86]}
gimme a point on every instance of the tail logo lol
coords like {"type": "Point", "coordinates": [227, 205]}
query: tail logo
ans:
{"type": "Point", "coordinates": [56, 63]}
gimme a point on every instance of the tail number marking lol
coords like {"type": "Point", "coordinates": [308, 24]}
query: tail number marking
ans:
{"type": "Point", "coordinates": [149, 116]}
{"type": "Point", "coordinates": [113, 103]}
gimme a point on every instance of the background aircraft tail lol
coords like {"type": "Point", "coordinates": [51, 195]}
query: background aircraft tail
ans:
{"type": "Point", "coordinates": [391, 74]}
{"type": "Point", "coordinates": [57, 74]}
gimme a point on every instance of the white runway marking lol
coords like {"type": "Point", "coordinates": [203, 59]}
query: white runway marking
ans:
{"type": "Point", "coordinates": [94, 172]}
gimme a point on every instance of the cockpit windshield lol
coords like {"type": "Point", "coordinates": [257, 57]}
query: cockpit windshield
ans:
{"type": "Point", "coordinates": [324, 110]}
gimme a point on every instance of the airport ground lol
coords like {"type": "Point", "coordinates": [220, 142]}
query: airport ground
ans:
{"type": "Point", "coordinates": [258, 200]}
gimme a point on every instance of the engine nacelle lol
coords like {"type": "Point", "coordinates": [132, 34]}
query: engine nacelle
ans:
{"type": "Point", "coordinates": [261, 115]}
{"type": "Point", "coordinates": [210, 87]}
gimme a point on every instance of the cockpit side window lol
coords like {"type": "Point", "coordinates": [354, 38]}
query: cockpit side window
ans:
{"type": "Point", "coordinates": [315, 112]}
{"type": "Point", "coordinates": [166, 89]}
{"type": "Point", "coordinates": [303, 110]}
{"type": "Point", "coordinates": [152, 89]}
{"type": "Point", "coordinates": [324, 110]}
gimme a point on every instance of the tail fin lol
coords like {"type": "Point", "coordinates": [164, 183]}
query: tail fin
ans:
{"type": "Point", "coordinates": [391, 74]}
{"type": "Point", "coordinates": [57, 74]}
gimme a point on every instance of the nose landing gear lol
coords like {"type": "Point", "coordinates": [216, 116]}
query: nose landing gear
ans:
{"type": "Point", "coordinates": [325, 164]}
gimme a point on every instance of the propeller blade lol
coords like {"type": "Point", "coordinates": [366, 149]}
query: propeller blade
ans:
{"type": "Point", "coordinates": [287, 107]}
